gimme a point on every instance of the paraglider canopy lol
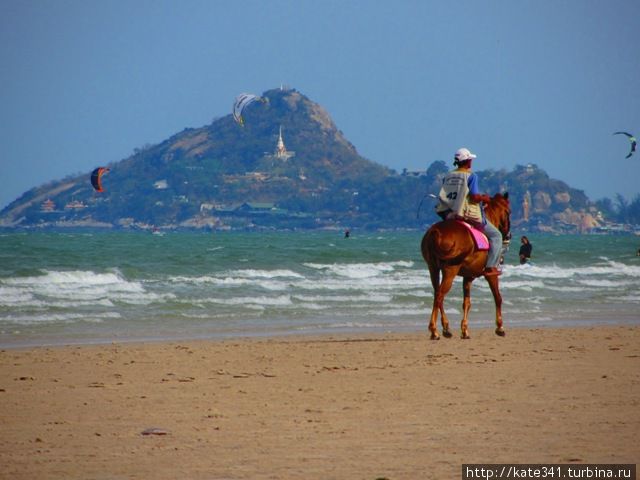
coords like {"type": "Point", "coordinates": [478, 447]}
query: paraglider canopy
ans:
{"type": "Point", "coordinates": [632, 139]}
{"type": "Point", "coordinates": [96, 178]}
{"type": "Point", "coordinates": [241, 103]}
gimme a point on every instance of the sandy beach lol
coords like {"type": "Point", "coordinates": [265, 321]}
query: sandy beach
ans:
{"type": "Point", "coordinates": [395, 406]}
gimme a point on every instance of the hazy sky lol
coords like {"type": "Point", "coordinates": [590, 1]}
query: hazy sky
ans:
{"type": "Point", "coordinates": [85, 82]}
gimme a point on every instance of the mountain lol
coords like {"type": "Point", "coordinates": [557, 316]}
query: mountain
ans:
{"type": "Point", "coordinates": [287, 166]}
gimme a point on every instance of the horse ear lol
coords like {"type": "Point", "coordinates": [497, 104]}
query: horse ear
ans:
{"type": "Point", "coordinates": [506, 195]}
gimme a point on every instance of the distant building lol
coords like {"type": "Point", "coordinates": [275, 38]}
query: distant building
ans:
{"type": "Point", "coordinates": [256, 207]}
{"type": "Point", "coordinates": [208, 207]}
{"type": "Point", "coordinates": [75, 205]}
{"type": "Point", "coordinates": [47, 206]}
{"type": "Point", "coordinates": [413, 173]}
{"type": "Point", "coordinates": [258, 176]}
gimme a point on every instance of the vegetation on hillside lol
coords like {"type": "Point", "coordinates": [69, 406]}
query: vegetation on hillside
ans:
{"type": "Point", "coordinates": [227, 175]}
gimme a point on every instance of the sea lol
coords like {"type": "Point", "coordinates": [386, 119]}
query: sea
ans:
{"type": "Point", "coordinates": [87, 287]}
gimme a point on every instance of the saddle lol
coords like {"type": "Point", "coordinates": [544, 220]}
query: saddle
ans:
{"type": "Point", "coordinates": [479, 238]}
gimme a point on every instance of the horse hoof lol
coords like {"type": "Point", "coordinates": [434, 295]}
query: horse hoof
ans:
{"type": "Point", "coordinates": [447, 334]}
{"type": "Point", "coordinates": [435, 336]}
{"type": "Point", "coordinates": [465, 336]}
{"type": "Point", "coordinates": [500, 332]}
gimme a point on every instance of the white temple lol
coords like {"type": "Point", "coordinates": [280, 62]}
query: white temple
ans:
{"type": "Point", "coordinates": [281, 152]}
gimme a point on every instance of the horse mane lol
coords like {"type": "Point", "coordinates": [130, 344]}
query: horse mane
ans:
{"type": "Point", "coordinates": [499, 203]}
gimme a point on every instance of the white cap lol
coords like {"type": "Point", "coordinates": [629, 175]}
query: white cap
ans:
{"type": "Point", "coordinates": [464, 154]}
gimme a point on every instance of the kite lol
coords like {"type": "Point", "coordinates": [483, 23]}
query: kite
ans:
{"type": "Point", "coordinates": [241, 103]}
{"type": "Point", "coordinates": [632, 139]}
{"type": "Point", "coordinates": [96, 178]}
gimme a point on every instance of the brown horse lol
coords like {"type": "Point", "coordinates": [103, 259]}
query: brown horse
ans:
{"type": "Point", "coordinates": [448, 247]}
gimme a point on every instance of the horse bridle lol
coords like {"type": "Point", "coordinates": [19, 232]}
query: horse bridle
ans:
{"type": "Point", "coordinates": [506, 237]}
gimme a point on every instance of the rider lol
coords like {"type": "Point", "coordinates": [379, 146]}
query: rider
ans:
{"type": "Point", "coordinates": [460, 198]}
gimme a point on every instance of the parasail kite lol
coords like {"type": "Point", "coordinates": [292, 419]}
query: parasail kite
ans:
{"type": "Point", "coordinates": [632, 139]}
{"type": "Point", "coordinates": [96, 178]}
{"type": "Point", "coordinates": [241, 103]}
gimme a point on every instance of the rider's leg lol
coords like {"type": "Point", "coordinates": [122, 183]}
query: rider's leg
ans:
{"type": "Point", "coordinates": [495, 244]}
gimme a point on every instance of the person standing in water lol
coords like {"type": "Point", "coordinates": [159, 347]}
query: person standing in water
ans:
{"type": "Point", "coordinates": [525, 250]}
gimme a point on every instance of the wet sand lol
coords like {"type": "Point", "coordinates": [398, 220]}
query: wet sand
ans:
{"type": "Point", "coordinates": [371, 406]}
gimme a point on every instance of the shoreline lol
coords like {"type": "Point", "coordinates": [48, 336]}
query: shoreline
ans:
{"type": "Point", "coordinates": [30, 341]}
{"type": "Point", "coordinates": [396, 406]}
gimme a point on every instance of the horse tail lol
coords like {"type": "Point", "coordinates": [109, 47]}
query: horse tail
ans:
{"type": "Point", "coordinates": [437, 246]}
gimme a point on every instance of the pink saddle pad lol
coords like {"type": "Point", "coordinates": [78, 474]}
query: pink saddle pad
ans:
{"type": "Point", "coordinates": [480, 239]}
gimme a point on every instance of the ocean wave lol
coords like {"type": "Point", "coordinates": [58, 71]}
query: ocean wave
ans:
{"type": "Point", "coordinates": [359, 270]}
{"type": "Point", "coordinates": [79, 288]}
{"type": "Point", "coordinates": [530, 320]}
{"type": "Point", "coordinates": [375, 298]}
{"type": "Point", "coordinates": [67, 280]}
{"type": "Point", "coordinates": [400, 312]}
{"type": "Point", "coordinates": [314, 306]}
{"type": "Point", "coordinates": [65, 277]}
{"type": "Point", "coordinates": [47, 318]}
{"type": "Point", "coordinates": [604, 283]}
{"type": "Point", "coordinates": [568, 289]}
{"type": "Point", "coordinates": [630, 270]}
{"type": "Point", "coordinates": [208, 280]}
{"type": "Point", "coordinates": [631, 298]}
{"type": "Point", "coordinates": [252, 273]}
{"type": "Point", "coordinates": [562, 272]}
{"type": "Point", "coordinates": [390, 282]}
{"type": "Point", "coordinates": [262, 301]}
{"type": "Point", "coordinates": [321, 277]}
{"type": "Point", "coordinates": [14, 297]}
{"type": "Point", "coordinates": [522, 285]}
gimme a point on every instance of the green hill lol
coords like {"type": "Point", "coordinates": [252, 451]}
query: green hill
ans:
{"type": "Point", "coordinates": [225, 175]}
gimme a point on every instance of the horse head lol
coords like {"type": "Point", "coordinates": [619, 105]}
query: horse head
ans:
{"type": "Point", "coordinates": [498, 211]}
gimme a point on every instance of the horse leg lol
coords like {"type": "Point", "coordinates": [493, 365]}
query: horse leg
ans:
{"type": "Point", "coordinates": [439, 291]}
{"type": "Point", "coordinates": [434, 273]}
{"type": "Point", "coordinates": [445, 322]}
{"type": "Point", "coordinates": [497, 298]}
{"type": "Point", "coordinates": [445, 286]}
{"type": "Point", "coordinates": [466, 307]}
